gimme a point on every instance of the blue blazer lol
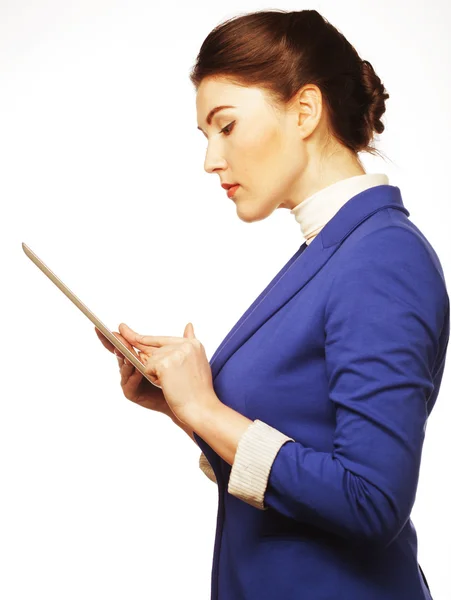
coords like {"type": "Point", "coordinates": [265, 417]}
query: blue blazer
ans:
{"type": "Point", "coordinates": [344, 352]}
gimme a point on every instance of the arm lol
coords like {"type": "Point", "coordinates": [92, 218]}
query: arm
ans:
{"type": "Point", "coordinates": [383, 322]}
{"type": "Point", "coordinates": [186, 428]}
{"type": "Point", "coordinates": [204, 465]}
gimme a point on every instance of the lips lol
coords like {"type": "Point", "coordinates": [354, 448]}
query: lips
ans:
{"type": "Point", "coordinates": [232, 190]}
{"type": "Point", "coordinates": [227, 186]}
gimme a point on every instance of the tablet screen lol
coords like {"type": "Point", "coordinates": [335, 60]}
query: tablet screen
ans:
{"type": "Point", "coordinates": [88, 313]}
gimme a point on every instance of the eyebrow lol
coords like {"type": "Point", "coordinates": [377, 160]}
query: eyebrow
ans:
{"type": "Point", "coordinates": [212, 113]}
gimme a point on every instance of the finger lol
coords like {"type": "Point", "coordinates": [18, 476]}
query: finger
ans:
{"type": "Point", "coordinates": [108, 345]}
{"type": "Point", "coordinates": [124, 362]}
{"type": "Point", "coordinates": [143, 341]}
{"type": "Point", "coordinates": [126, 344]}
{"type": "Point", "coordinates": [127, 372]}
{"type": "Point", "coordinates": [111, 347]}
{"type": "Point", "coordinates": [143, 358]}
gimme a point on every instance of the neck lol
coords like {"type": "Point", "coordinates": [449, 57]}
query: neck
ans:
{"type": "Point", "coordinates": [323, 171]}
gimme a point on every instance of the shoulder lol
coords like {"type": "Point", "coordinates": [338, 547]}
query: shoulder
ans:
{"type": "Point", "coordinates": [394, 263]}
{"type": "Point", "coordinates": [394, 246]}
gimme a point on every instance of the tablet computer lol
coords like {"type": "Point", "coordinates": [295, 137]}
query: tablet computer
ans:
{"type": "Point", "coordinates": [85, 310]}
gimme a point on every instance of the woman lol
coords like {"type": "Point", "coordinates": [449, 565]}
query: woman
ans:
{"type": "Point", "coordinates": [311, 414]}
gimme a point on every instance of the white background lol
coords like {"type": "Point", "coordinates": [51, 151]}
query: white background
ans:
{"type": "Point", "coordinates": [102, 176]}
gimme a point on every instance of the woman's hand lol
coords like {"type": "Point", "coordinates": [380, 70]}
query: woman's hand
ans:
{"type": "Point", "coordinates": [182, 367]}
{"type": "Point", "coordinates": [134, 385]}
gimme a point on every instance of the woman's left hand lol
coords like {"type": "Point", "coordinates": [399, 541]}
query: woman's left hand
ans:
{"type": "Point", "coordinates": [182, 368]}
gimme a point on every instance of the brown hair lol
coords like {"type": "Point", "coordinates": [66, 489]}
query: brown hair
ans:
{"type": "Point", "coordinates": [282, 51]}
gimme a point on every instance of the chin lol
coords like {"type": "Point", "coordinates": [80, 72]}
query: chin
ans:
{"type": "Point", "coordinates": [246, 219]}
{"type": "Point", "coordinates": [252, 217]}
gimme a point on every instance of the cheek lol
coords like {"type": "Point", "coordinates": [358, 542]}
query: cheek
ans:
{"type": "Point", "coordinates": [291, 158]}
{"type": "Point", "coordinates": [262, 150]}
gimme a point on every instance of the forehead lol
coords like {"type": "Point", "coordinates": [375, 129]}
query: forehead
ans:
{"type": "Point", "coordinates": [216, 92]}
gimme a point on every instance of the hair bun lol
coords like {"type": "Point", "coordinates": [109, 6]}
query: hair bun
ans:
{"type": "Point", "coordinates": [377, 95]}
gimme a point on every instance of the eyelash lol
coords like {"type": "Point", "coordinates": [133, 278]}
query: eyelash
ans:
{"type": "Point", "coordinates": [227, 128]}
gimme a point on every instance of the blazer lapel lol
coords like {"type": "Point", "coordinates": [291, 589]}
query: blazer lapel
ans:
{"type": "Point", "coordinates": [298, 271]}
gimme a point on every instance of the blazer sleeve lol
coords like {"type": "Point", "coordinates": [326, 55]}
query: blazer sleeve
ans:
{"type": "Point", "coordinates": [383, 322]}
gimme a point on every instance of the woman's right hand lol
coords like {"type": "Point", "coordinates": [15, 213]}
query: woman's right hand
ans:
{"type": "Point", "coordinates": [134, 385]}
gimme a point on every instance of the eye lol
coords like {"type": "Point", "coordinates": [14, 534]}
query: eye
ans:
{"type": "Point", "coordinates": [228, 128]}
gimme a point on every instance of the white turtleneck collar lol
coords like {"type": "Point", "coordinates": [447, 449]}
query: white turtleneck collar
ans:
{"type": "Point", "coordinates": [316, 210]}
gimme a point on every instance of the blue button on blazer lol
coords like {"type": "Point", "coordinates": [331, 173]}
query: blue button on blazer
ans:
{"type": "Point", "coordinates": [344, 352]}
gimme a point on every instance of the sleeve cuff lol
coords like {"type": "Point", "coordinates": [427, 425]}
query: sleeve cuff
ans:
{"type": "Point", "coordinates": [205, 466]}
{"type": "Point", "coordinates": [255, 454]}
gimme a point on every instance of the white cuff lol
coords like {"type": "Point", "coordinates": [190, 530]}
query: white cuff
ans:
{"type": "Point", "coordinates": [255, 454]}
{"type": "Point", "coordinates": [206, 468]}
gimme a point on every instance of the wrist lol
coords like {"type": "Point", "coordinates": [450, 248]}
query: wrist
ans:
{"type": "Point", "coordinates": [203, 414]}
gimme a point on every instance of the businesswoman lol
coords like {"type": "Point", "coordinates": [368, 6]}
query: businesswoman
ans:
{"type": "Point", "coordinates": [312, 413]}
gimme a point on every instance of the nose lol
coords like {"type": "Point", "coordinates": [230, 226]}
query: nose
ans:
{"type": "Point", "coordinates": [214, 161]}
